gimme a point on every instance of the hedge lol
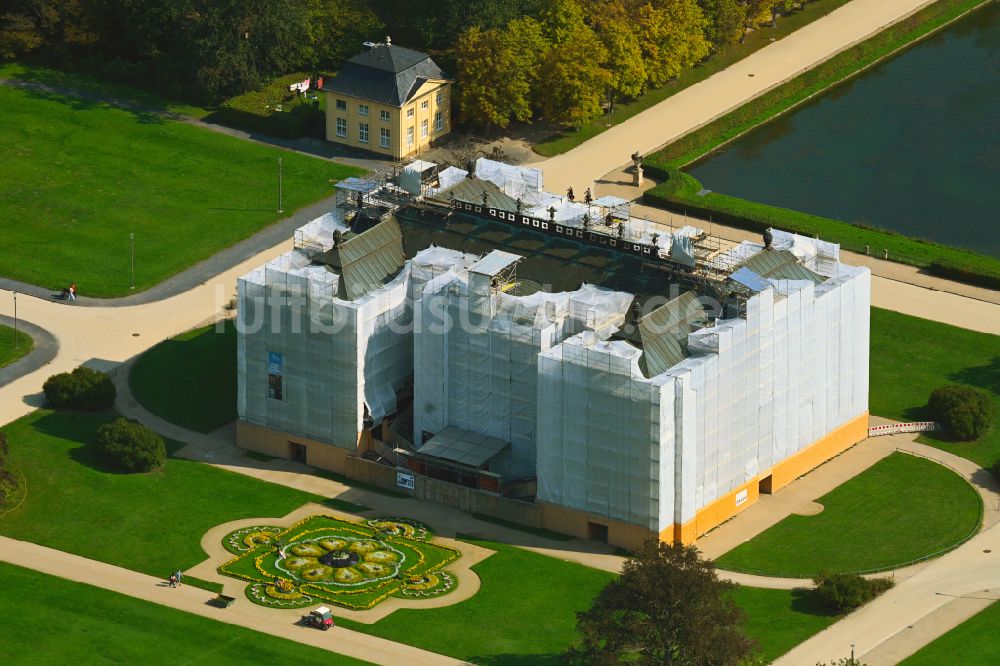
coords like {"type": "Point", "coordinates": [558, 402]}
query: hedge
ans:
{"type": "Point", "coordinates": [679, 191]}
{"type": "Point", "coordinates": [254, 111]}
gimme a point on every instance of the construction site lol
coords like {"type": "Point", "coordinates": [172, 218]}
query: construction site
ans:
{"type": "Point", "coordinates": [465, 337]}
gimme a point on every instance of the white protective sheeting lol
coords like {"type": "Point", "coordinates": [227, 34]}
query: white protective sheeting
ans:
{"type": "Point", "coordinates": [753, 392]}
{"type": "Point", "coordinates": [451, 176]}
{"type": "Point", "coordinates": [476, 356]}
{"type": "Point", "coordinates": [522, 183]}
{"type": "Point", "coordinates": [338, 359]}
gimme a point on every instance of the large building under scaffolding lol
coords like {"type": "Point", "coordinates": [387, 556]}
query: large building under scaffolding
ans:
{"type": "Point", "coordinates": [475, 340]}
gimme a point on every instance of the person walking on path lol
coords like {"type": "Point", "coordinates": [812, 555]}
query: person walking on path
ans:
{"type": "Point", "coordinates": [178, 575]}
{"type": "Point", "coordinates": [173, 580]}
{"type": "Point", "coordinates": [71, 294]}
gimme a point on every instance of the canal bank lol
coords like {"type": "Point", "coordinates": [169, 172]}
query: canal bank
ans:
{"type": "Point", "coordinates": [681, 192]}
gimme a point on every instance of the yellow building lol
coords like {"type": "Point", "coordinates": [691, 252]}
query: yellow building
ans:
{"type": "Point", "coordinates": [389, 100]}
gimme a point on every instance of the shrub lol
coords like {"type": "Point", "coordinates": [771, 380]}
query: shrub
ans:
{"type": "Point", "coordinates": [966, 412]}
{"type": "Point", "coordinates": [844, 592]}
{"type": "Point", "coordinates": [131, 445]}
{"type": "Point", "coordinates": [83, 388]}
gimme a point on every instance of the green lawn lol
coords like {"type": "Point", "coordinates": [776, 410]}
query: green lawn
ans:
{"type": "Point", "coordinates": [190, 380]}
{"type": "Point", "coordinates": [48, 620]}
{"type": "Point", "coordinates": [147, 522]}
{"type": "Point", "coordinates": [13, 347]}
{"type": "Point", "coordinates": [900, 509]}
{"type": "Point", "coordinates": [79, 176]}
{"type": "Point", "coordinates": [524, 613]}
{"type": "Point", "coordinates": [718, 61]}
{"type": "Point", "coordinates": [910, 357]}
{"type": "Point", "coordinates": [975, 642]}
{"type": "Point", "coordinates": [781, 619]}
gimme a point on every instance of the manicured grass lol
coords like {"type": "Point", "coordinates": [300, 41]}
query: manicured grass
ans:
{"type": "Point", "coordinates": [79, 176]}
{"type": "Point", "coordinates": [900, 509]}
{"type": "Point", "coordinates": [190, 380]}
{"type": "Point", "coordinates": [147, 522]}
{"type": "Point", "coordinates": [13, 347]}
{"type": "Point", "coordinates": [48, 620]}
{"type": "Point", "coordinates": [524, 613]}
{"type": "Point", "coordinates": [679, 191]}
{"type": "Point", "coordinates": [975, 642]}
{"type": "Point", "coordinates": [102, 87]}
{"type": "Point", "coordinates": [717, 62]}
{"type": "Point", "coordinates": [910, 357]}
{"type": "Point", "coordinates": [781, 619]}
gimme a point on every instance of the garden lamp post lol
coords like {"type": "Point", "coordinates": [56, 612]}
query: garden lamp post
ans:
{"type": "Point", "coordinates": [131, 260]}
{"type": "Point", "coordinates": [280, 207]}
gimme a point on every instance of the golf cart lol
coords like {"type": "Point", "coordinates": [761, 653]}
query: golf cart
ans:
{"type": "Point", "coordinates": [321, 618]}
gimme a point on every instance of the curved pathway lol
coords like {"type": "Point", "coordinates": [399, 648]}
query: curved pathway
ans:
{"type": "Point", "coordinates": [46, 348]}
{"type": "Point", "coordinates": [194, 600]}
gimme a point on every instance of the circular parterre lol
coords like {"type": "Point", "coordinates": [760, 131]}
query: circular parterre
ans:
{"type": "Point", "coordinates": [354, 565]}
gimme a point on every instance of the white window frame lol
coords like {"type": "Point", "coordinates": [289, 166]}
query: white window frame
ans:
{"type": "Point", "coordinates": [362, 109]}
{"type": "Point", "coordinates": [342, 127]}
{"type": "Point", "coordinates": [409, 135]}
{"type": "Point", "coordinates": [383, 137]}
{"type": "Point", "coordinates": [384, 115]}
{"type": "Point", "coordinates": [409, 112]}
{"type": "Point", "coordinates": [438, 121]}
{"type": "Point", "coordinates": [440, 96]}
{"type": "Point", "coordinates": [423, 105]}
{"type": "Point", "coordinates": [341, 105]}
{"type": "Point", "coordinates": [363, 132]}
{"type": "Point", "coordinates": [423, 128]}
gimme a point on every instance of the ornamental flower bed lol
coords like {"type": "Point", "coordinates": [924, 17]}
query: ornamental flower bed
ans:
{"type": "Point", "coordinates": [354, 565]}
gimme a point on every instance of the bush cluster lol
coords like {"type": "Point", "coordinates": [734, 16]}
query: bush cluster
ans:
{"type": "Point", "coordinates": [131, 445]}
{"type": "Point", "coordinates": [966, 412]}
{"type": "Point", "coordinates": [844, 592]}
{"type": "Point", "coordinates": [84, 388]}
{"type": "Point", "coordinates": [255, 111]}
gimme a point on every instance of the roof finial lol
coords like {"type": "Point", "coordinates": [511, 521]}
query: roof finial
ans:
{"type": "Point", "coordinates": [388, 40]}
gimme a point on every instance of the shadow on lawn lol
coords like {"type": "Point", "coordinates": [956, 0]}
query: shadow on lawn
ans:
{"type": "Point", "coordinates": [81, 428]}
{"type": "Point", "coordinates": [807, 602]}
{"type": "Point", "coordinates": [982, 376]}
{"type": "Point", "coordinates": [81, 100]}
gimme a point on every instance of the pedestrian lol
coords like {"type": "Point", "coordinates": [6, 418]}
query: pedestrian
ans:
{"type": "Point", "coordinates": [178, 575]}
{"type": "Point", "coordinates": [173, 580]}
{"type": "Point", "coordinates": [71, 293]}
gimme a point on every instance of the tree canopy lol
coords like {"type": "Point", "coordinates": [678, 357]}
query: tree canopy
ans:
{"type": "Point", "coordinates": [667, 607]}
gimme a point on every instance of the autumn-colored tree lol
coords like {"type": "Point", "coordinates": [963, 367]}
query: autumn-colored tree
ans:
{"type": "Point", "coordinates": [672, 36]}
{"type": "Point", "coordinates": [613, 23]}
{"type": "Point", "coordinates": [573, 78]}
{"type": "Point", "coordinates": [726, 20]}
{"type": "Point", "coordinates": [667, 607]}
{"type": "Point", "coordinates": [497, 70]}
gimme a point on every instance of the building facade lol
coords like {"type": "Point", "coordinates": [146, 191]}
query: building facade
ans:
{"type": "Point", "coordinates": [389, 100]}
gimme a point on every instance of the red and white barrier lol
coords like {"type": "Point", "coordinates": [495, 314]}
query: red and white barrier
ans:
{"type": "Point", "coordinates": [895, 428]}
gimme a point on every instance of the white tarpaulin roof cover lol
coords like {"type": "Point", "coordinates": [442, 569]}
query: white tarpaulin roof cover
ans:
{"type": "Point", "coordinates": [494, 262]}
{"type": "Point", "coordinates": [519, 182]}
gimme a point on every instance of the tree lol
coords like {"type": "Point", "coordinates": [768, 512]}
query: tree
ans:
{"type": "Point", "coordinates": [336, 29]}
{"type": "Point", "coordinates": [612, 22]}
{"type": "Point", "coordinates": [573, 78]}
{"type": "Point", "coordinates": [667, 607]}
{"type": "Point", "coordinates": [844, 592]}
{"type": "Point", "coordinates": [672, 37]}
{"type": "Point", "coordinates": [497, 70]}
{"type": "Point", "coordinates": [131, 445]}
{"type": "Point", "coordinates": [726, 21]}
{"type": "Point", "coordinates": [37, 26]}
{"type": "Point", "coordinates": [759, 12]}
{"type": "Point", "coordinates": [965, 412]}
